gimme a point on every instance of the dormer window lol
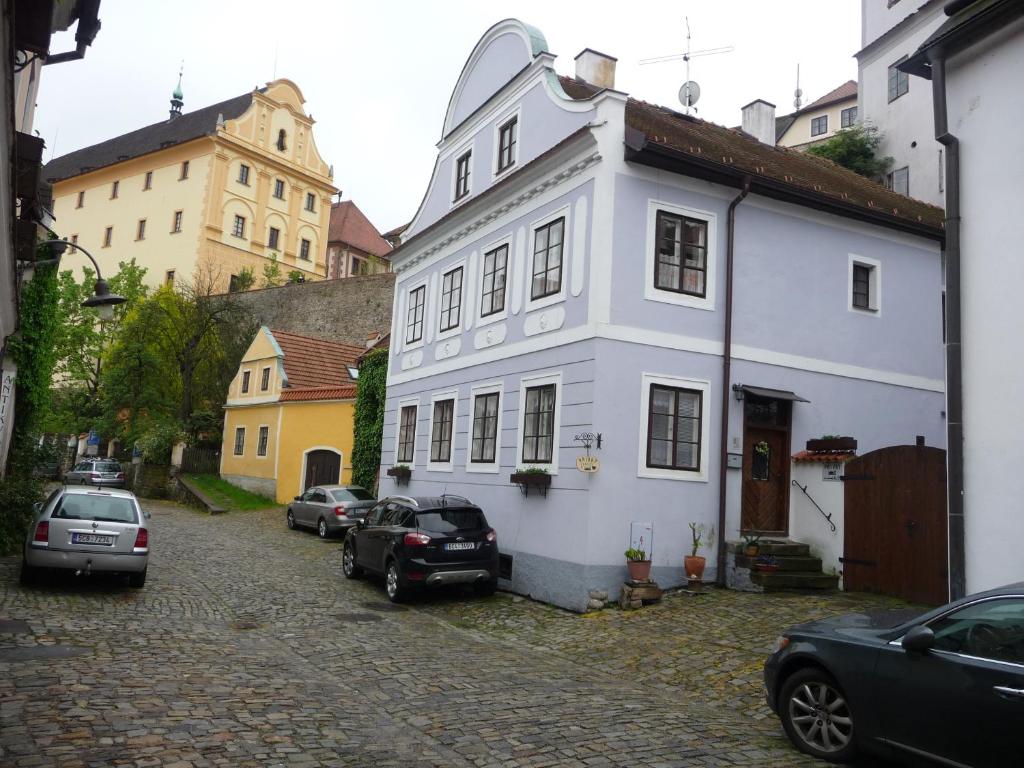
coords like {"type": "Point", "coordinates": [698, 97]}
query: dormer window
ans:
{"type": "Point", "coordinates": [281, 140]}
{"type": "Point", "coordinates": [507, 137]}
{"type": "Point", "coordinates": [462, 175]}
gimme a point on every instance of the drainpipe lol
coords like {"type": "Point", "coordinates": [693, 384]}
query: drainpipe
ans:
{"type": "Point", "coordinates": [954, 345]}
{"type": "Point", "coordinates": [726, 377]}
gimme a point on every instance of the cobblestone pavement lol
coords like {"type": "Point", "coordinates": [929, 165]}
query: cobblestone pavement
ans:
{"type": "Point", "coordinates": [247, 647]}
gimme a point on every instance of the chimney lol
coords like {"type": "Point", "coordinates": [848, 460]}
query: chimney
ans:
{"type": "Point", "coordinates": [596, 68]}
{"type": "Point", "coordinates": [759, 121]}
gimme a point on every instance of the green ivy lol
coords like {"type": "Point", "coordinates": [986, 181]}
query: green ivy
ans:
{"type": "Point", "coordinates": [371, 392]}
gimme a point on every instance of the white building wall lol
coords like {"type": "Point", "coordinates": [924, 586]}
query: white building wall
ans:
{"type": "Point", "coordinates": [806, 524]}
{"type": "Point", "coordinates": [992, 166]}
{"type": "Point", "coordinates": [907, 123]}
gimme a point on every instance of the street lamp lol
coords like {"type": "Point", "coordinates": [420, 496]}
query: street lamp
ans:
{"type": "Point", "coordinates": [102, 300]}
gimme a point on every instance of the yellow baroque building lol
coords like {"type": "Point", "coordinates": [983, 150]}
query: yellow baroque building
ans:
{"type": "Point", "coordinates": [289, 415]}
{"type": "Point", "coordinates": [203, 195]}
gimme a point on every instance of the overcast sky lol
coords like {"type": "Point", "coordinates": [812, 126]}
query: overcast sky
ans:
{"type": "Point", "coordinates": [377, 75]}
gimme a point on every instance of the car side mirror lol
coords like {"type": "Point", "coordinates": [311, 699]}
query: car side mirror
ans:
{"type": "Point", "coordinates": [360, 522]}
{"type": "Point", "coordinates": [918, 639]}
{"type": "Point", "coordinates": [298, 498]}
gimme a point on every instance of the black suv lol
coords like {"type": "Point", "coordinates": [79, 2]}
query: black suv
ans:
{"type": "Point", "coordinates": [424, 542]}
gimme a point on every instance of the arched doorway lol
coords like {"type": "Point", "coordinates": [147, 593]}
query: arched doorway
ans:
{"type": "Point", "coordinates": [323, 467]}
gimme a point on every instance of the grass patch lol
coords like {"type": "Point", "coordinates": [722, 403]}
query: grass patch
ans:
{"type": "Point", "coordinates": [231, 496]}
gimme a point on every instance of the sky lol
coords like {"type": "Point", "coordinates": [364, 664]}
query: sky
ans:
{"type": "Point", "coordinates": [377, 76]}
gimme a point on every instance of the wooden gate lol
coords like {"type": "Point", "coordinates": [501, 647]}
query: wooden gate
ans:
{"type": "Point", "coordinates": [322, 468]}
{"type": "Point", "coordinates": [896, 534]}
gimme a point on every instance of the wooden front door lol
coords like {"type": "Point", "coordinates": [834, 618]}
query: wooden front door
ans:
{"type": "Point", "coordinates": [765, 505]}
{"type": "Point", "coordinates": [322, 468]}
{"type": "Point", "coordinates": [895, 533]}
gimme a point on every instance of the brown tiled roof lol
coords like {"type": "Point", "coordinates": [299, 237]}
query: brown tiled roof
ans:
{"type": "Point", "coordinates": [311, 363]}
{"type": "Point", "coordinates": [392, 233]}
{"type": "Point", "coordinates": [790, 174]}
{"type": "Point", "coordinates": [349, 225]}
{"type": "Point", "coordinates": [847, 90]}
{"type": "Point", "coordinates": [318, 393]}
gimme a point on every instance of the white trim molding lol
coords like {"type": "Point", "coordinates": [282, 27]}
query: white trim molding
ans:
{"type": "Point", "coordinates": [874, 308]}
{"type": "Point", "coordinates": [515, 113]}
{"type": "Point", "coordinates": [701, 385]}
{"type": "Point", "coordinates": [259, 430]}
{"type": "Point", "coordinates": [474, 392]}
{"type": "Point", "coordinates": [468, 147]}
{"type": "Point", "coordinates": [407, 305]}
{"type": "Point", "coordinates": [404, 403]}
{"type": "Point", "coordinates": [443, 466]}
{"type": "Point", "coordinates": [528, 382]}
{"type": "Point", "coordinates": [707, 302]}
{"type": "Point", "coordinates": [455, 330]}
{"type": "Point", "coordinates": [531, 304]}
{"type": "Point", "coordinates": [506, 241]}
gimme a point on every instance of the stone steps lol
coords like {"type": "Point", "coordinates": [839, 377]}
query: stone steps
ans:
{"type": "Point", "coordinates": [798, 569]}
{"type": "Point", "coordinates": [780, 580]}
{"type": "Point", "coordinates": [785, 563]}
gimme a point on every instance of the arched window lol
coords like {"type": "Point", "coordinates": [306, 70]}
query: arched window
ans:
{"type": "Point", "coordinates": [280, 140]}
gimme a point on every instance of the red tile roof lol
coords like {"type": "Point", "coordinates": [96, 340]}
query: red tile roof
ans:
{"type": "Point", "coordinates": [827, 456]}
{"type": "Point", "coordinates": [349, 225]}
{"type": "Point", "coordinates": [318, 393]}
{"type": "Point", "coordinates": [847, 90]}
{"type": "Point", "coordinates": [311, 363]}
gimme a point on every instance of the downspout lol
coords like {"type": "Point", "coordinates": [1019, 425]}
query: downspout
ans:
{"type": "Point", "coordinates": [726, 378]}
{"type": "Point", "coordinates": [954, 344]}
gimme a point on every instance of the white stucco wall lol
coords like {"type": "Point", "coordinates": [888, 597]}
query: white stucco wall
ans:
{"type": "Point", "coordinates": [992, 165]}
{"type": "Point", "coordinates": [907, 123]}
{"type": "Point", "coordinates": [806, 523]}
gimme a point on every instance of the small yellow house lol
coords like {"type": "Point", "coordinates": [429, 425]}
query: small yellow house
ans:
{"type": "Point", "coordinates": [289, 415]}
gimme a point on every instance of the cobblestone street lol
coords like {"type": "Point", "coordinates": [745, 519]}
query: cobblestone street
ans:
{"type": "Point", "coordinates": [247, 647]}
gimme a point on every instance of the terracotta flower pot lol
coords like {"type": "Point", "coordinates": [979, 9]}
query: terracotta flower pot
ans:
{"type": "Point", "coordinates": [694, 565]}
{"type": "Point", "coordinates": [752, 550]}
{"type": "Point", "coordinates": [639, 570]}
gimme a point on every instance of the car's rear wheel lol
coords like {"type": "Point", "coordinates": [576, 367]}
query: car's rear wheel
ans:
{"type": "Point", "coordinates": [393, 583]}
{"type": "Point", "coordinates": [486, 588]}
{"type": "Point", "coordinates": [321, 528]}
{"type": "Point", "coordinates": [817, 716]}
{"type": "Point", "coordinates": [289, 520]}
{"type": "Point", "coordinates": [348, 562]}
{"type": "Point", "coordinates": [137, 580]}
{"type": "Point", "coordinates": [29, 575]}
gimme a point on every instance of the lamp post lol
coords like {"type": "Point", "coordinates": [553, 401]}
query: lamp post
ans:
{"type": "Point", "coordinates": [102, 299]}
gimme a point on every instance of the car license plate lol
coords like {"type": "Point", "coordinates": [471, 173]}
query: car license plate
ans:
{"type": "Point", "coordinates": [91, 538]}
{"type": "Point", "coordinates": [460, 545]}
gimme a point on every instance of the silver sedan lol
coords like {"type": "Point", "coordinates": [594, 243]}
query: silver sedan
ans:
{"type": "Point", "coordinates": [102, 473]}
{"type": "Point", "coordinates": [88, 530]}
{"type": "Point", "coordinates": [330, 509]}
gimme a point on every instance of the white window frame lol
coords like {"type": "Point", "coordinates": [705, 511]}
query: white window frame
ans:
{"type": "Point", "coordinates": [404, 403]}
{"type": "Point", "coordinates": [501, 121]}
{"type": "Point", "coordinates": [259, 430]}
{"type": "Point", "coordinates": [679, 382]}
{"type": "Point", "coordinates": [503, 314]}
{"type": "Point", "coordinates": [443, 466]}
{"type": "Point", "coordinates": [404, 319]}
{"type": "Point", "coordinates": [457, 201]}
{"type": "Point", "coordinates": [491, 467]}
{"type": "Point", "coordinates": [457, 328]}
{"type": "Point", "coordinates": [874, 286]}
{"type": "Point", "coordinates": [555, 298]}
{"type": "Point", "coordinates": [707, 302]}
{"type": "Point", "coordinates": [525, 383]}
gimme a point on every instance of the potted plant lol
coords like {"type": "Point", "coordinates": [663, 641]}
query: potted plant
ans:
{"type": "Point", "coordinates": [638, 564]}
{"type": "Point", "coordinates": [694, 563]}
{"type": "Point", "coordinates": [827, 443]}
{"type": "Point", "coordinates": [401, 473]}
{"type": "Point", "coordinates": [751, 545]}
{"type": "Point", "coordinates": [766, 563]}
{"type": "Point", "coordinates": [531, 477]}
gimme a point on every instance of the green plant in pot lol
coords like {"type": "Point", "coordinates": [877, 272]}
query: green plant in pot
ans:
{"type": "Point", "coordinates": [638, 564]}
{"type": "Point", "coordinates": [694, 563]}
{"type": "Point", "coordinates": [751, 544]}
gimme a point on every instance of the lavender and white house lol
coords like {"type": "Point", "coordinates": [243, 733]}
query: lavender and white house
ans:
{"type": "Point", "coordinates": [568, 272]}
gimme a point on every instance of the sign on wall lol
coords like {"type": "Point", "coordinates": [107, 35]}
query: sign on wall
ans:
{"type": "Point", "coordinates": [831, 470]}
{"type": "Point", "coordinates": [587, 463]}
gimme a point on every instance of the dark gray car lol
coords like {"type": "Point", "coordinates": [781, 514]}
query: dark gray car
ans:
{"type": "Point", "coordinates": [946, 686]}
{"type": "Point", "coordinates": [329, 509]}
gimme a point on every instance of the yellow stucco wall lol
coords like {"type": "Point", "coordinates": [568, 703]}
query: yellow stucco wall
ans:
{"type": "Point", "coordinates": [309, 426]}
{"type": "Point", "coordinates": [209, 199]}
{"type": "Point", "coordinates": [800, 131]}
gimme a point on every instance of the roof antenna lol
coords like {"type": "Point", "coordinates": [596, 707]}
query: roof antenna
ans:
{"type": "Point", "coordinates": [690, 91]}
{"type": "Point", "coordinates": [798, 93]}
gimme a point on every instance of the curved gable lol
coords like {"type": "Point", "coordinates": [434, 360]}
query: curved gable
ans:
{"type": "Point", "coordinates": [504, 50]}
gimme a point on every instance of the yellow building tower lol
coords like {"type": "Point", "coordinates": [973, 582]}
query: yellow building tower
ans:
{"type": "Point", "coordinates": [204, 195]}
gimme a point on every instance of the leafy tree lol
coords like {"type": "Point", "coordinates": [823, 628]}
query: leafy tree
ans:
{"type": "Point", "coordinates": [272, 273]}
{"type": "Point", "coordinates": [296, 276]}
{"type": "Point", "coordinates": [855, 148]}
{"type": "Point", "coordinates": [244, 280]}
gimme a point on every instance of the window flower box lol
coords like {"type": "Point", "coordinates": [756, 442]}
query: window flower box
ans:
{"type": "Point", "coordinates": [539, 480]}
{"type": "Point", "coordinates": [400, 473]}
{"type": "Point", "coordinates": [826, 444]}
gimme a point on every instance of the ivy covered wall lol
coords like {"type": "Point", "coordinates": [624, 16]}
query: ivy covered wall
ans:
{"type": "Point", "coordinates": [371, 391]}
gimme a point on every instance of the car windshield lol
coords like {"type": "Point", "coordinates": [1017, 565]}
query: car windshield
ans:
{"type": "Point", "coordinates": [352, 494]}
{"type": "Point", "coordinates": [80, 506]}
{"type": "Point", "coordinates": [452, 520]}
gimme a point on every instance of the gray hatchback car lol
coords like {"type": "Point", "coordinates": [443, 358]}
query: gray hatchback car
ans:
{"type": "Point", "coordinates": [330, 509]}
{"type": "Point", "coordinates": [88, 530]}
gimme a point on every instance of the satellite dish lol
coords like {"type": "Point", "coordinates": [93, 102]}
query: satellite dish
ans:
{"type": "Point", "coordinates": [689, 93]}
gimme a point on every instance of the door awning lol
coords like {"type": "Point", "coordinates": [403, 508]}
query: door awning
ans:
{"type": "Point", "coordinates": [770, 394]}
